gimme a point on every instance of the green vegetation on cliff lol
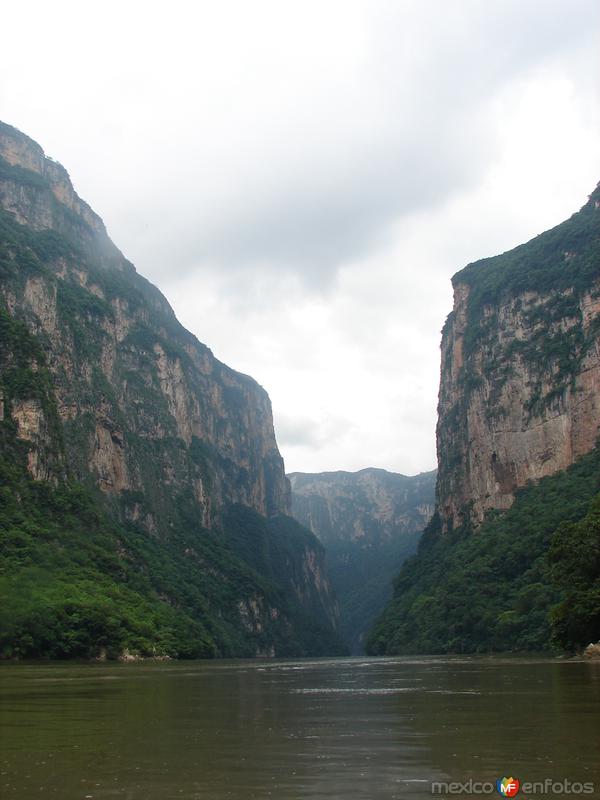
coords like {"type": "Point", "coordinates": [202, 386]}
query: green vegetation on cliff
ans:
{"type": "Point", "coordinates": [575, 559]}
{"type": "Point", "coordinates": [76, 582]}
{"type": "Point", "coordinates": [563, 258]}
{"type": "Point", "coordinates": [362, 579]}
{"type": "Point", "coordinates": [135, 468]}
{"type": "Point", "coordinates": [494, 589]}
{"type": "Point", "coordinates": [68, 590]}
{"type": "Point", "coordinates": [562, 264]}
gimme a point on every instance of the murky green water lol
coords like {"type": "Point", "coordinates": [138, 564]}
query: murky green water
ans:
{"type": "Point", "coordinates": [345, 728]}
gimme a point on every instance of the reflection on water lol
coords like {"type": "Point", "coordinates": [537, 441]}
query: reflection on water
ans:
{"type": "Point", "coordinates": [343, 728]}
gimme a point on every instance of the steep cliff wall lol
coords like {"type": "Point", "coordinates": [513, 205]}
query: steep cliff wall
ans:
{"type": "Point", "coordinates": [102, 387]}
{"type": "Point", "coordinates": [143, 402]}
{"type": "Point", "coordinates": [517, 434]}
{"type": "Point", "coordinates": [520, 375]}
{"type": "Point", "coordinates": [370, 522]}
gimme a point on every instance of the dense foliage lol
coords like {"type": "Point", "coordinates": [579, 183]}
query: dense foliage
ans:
{"type": "Point", "coordinates": [73, 583]}
{"type": "Point", "coordinates": [493, 589]}
{"type": "Point", "coordinates": [362, 578]}
{"type": "Point", "coordinates": [67, 589]}
{"type": "Point", "coordinates": [575, 559]}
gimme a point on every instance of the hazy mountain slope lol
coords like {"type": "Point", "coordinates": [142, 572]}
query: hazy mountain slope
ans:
{"type": "Point", "coordinates": [370, 522]}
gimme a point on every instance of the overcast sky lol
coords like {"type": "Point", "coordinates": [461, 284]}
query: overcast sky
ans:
{"type": "Point", "coordinates": [302, 179]}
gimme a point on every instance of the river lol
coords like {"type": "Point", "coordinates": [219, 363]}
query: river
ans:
{"type": "Point", "coordinates": [340, 728]}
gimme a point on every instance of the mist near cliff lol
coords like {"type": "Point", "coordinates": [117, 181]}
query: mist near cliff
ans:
{"type": "Point", "coordinates": [302, 179]}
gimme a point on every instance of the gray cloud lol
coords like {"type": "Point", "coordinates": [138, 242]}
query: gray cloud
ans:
{"type": "Point", "coordinates": [302, 179]}
{"type": "Point", "coordinates": [306, 432]}
{"type": "Point", "coordinates": [406, 130]}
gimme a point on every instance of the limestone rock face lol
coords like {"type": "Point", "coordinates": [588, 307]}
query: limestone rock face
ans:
{"type": "Point", "coordinates": [145, 406]}
{"type": "Point", "coordinates": [32, 428]}
{"type": "Point", "coordinates": [31, 203]}
{"type": "Point", "coordinates": [520, 372]}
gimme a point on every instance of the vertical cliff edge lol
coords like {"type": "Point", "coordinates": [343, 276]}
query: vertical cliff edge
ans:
{"type": "Point", "coordinates": [518, 458]}
{"type": "Point", "coordinates": [102, 388]}
{"type": "Point", "coordinates": [520, 375]}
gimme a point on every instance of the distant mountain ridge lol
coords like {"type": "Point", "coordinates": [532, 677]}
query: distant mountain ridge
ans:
{"type": "Point", "coordinates": [369, 522]}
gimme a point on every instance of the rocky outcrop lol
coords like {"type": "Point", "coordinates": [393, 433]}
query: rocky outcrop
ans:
{"type": "Point", "coordinates": [520, 375]}
{"type": "Point", "coordinates": [38, 190]}
{"type": "Point", "coordinates": [32, 428]}
{"type": "Point", "coordinates": [370, 522]}
{"type": "Point", "coordinates": [592, 651]}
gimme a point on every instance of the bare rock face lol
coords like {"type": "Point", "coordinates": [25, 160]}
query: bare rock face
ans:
{"type": "Point", "coordinates": [32, 428]}
{"type": "Point", "coordinates": [145, 407]}
{"type": "Point", "coordinates": [520, 377]}
{"type": "Point", "coordinates": [592, 651]}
